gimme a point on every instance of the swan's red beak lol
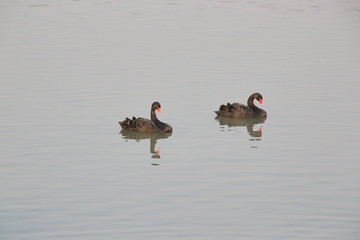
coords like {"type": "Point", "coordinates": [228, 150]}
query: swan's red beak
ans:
{"type": "Point", "coordinates": [260, 101]}
{"type": "Point", "coordinates": [159, 110]}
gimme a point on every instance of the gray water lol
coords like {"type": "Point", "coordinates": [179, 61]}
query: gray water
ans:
{"type": "Point", "coordinates": [70, 70]}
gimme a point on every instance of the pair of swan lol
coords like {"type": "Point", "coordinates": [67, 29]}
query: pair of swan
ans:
{"type": "Point", "coordinates": [234, 110]}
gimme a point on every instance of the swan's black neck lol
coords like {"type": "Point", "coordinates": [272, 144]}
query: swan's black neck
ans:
{"type": "Point", "coordinates": [153, 115]}
{"type": "Point", "coordinates": [162, 126]}
{"type": "Point", "coordinates": [155, 120]}
{"type": "Point", "coordinates": [250, 102]}
{"type": "Point", "coordinates": [258, 112]}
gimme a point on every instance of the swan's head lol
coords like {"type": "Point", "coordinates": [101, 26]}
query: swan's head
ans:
{"type": "Point", "coordinates": [156, 106]}
{"type": "Point", "coordinates": [258, 97]}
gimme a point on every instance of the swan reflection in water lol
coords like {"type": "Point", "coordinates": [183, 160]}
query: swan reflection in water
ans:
{"type": "Point", "coordinates": [240, 122]}
{"type": "Point", "coordinates": [128, 134]}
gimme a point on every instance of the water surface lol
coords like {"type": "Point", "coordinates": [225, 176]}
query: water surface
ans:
{"type": "Point", "coordinates": [72, 69]}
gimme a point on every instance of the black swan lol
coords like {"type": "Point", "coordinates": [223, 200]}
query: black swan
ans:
{"type": "Point", "coordinates": [146, 125]}
{"type": "Point", "coordinates": [238, 110]}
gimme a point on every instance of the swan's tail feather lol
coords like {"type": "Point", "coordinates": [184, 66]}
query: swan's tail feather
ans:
{"type": "Point", "coordinates": [128, 123]}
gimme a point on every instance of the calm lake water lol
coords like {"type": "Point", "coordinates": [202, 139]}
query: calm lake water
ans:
{"type": "Point", "coordinates": [70, 70]}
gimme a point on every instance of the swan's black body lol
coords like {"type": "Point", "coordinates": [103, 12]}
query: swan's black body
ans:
{"type": "Point", "coordinates": [238, 110]}
{"type": "Point", "coordinates": [146, 125]}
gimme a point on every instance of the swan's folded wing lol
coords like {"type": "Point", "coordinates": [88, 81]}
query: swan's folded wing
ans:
{"type": "Point", "coordinates": [144, 125]}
